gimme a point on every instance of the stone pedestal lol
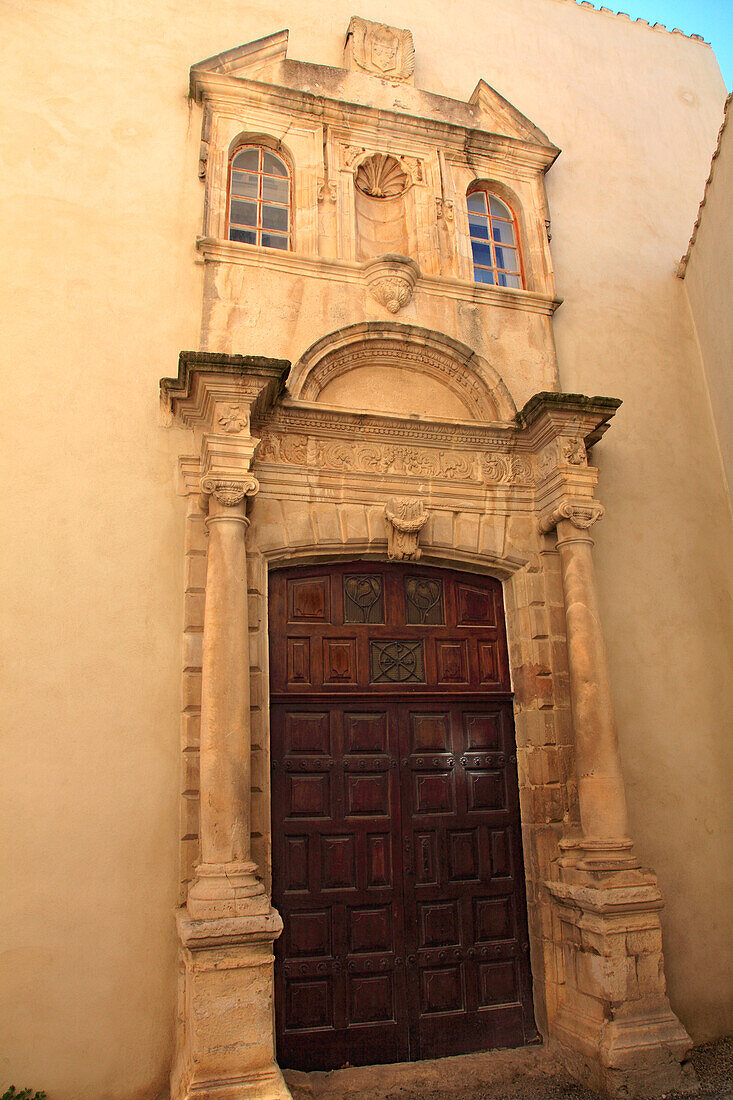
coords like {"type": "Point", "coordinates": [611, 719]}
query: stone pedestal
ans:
{"type": "Point", "coordinates": [615, 1025]}
{"type": "Point", "coordinates": [225, 1045]}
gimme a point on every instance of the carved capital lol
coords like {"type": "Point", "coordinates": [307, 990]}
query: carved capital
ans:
{"type": "Point", "coordinates": [228, 491]}
{"type": "Point", "coordinates": [405, 520]}
{"type": "Point", "coordinates": [581, 513]}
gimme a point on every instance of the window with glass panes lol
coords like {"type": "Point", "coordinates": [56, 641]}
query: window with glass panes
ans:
{"type": "Point", "coordinates": [493, 241]}
{"type": "Point", "coordinates": [259, 198]}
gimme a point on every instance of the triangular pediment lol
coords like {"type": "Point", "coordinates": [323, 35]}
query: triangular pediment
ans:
{"type": "Point", "coordinates": [500, 117]}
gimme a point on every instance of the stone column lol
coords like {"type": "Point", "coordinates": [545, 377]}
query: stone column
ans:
{"type": "Point", "coordinates": [225, 884]}
{"type": "Point", "coordinates": [613, 1020]}
{"type": "Point", "coordinates": [606, 844]}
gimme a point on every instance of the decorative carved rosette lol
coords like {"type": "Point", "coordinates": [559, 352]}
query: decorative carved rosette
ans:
{"type": "Point", "coordinates": [581, 513]}
{"type": "Point", "coordinates": [405, 520]}
{"type": "Point", "coordinates": [233, 419]}
{"type": "Point", "coordinates": [228, 491]}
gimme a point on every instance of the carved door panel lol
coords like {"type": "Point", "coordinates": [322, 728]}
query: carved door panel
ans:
{"type": "Point", "coordinates": [468, 978]}
{"type": "Point", "coordinates": [397, 863]}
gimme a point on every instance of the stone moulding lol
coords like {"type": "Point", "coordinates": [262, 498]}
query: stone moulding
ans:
{"type": "Point", "coordinates": [475, 381]}
{"type": "Point", "coordinates": [391, 280]}
{"type": "Point", "coordinates": [216, 250]}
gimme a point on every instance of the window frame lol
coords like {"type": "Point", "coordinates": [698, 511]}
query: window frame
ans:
{"type": "Point", "coordinates": [262, 148]}
{"type": "Point", "coordinates": [487, 190]}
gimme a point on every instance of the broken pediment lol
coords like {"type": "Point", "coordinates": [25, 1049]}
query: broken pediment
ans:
{"type": "Point", "coordinates": [378, 75]}
{"type": "Point", "coordinates": [502, 118]}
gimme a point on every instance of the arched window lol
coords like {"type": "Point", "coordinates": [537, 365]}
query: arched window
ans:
{"type": "Point", "coordinates": [259, 198]}
{"type": "Point", "coordinates": [494, 245]}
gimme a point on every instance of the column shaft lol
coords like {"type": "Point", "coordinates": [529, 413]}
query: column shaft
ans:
{"type": "Point", "coordinates": [225, 883]}
{"type": "Point", "coordinates": [600, 781]}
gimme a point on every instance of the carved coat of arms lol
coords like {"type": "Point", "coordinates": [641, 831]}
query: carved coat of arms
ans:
{"type": "Point", "coordinates": [376, 48]}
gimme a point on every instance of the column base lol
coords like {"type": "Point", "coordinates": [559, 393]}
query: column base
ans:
{"type": "Point", "coordinates": [226, 890]}
{"type": "Point", "coordinates": [614, 1026]}
{"type": "Point", "coordinates": [225, 1043]}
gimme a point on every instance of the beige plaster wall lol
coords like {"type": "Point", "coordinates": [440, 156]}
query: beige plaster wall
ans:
{"type": "Point", "coordinates": [709, 282]}
{"type": "Point", "coordinates": [101, 204]}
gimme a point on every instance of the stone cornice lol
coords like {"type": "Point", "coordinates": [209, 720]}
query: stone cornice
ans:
{"type": "Point", "coordinates": [236, 92]}
{"type": "Point", "coordinates": [547, 415]}
{"type": "Point", "coordinates": [293, 263]}
{"type": "Point", "coordinates": [272, 371]}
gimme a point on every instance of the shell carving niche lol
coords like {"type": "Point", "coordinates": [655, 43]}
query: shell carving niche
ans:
{"type": "Point", "coordinates": [381, 177]}
{"type": "Point", "coordinates": [380, 185]}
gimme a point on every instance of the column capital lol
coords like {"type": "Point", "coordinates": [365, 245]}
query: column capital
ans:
{"type": "Point", "coordinates": [230, 491]}
{"type": "Point", "coordinates": [581, 513]}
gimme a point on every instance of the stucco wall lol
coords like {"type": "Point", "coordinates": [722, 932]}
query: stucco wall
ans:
{"type": "Point", "coordinates": [101, 204]}
{"type": "Point", "coordinates": [709, 283]}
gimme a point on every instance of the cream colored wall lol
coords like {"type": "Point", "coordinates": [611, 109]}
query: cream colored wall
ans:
{"type": "Point", "coordinates": [101, 204]}
{"type": "Point", "coordinates": [709, 281]}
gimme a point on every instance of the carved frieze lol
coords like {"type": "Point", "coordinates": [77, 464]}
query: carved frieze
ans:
{"type": "Point", "coordinates": [345, 456]}
{"type": "Point", "coordinates": [405, 520]}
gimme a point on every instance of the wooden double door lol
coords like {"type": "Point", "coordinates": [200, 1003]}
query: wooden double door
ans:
{"type": "Point", "coordinates": [397, 860]}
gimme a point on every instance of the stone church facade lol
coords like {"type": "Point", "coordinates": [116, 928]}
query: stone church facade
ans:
{"type": "Point", "coordinates": [409, 822]}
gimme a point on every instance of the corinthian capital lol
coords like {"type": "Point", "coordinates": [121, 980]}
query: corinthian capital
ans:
{"type": "Point", "coordinates": [229, 491]}
{"type": "Point", "coordinates": [581, 513]}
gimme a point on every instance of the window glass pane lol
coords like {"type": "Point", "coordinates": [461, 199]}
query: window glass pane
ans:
{"type": "Point", "coordinates": [506, 258]}
{"type": "Point", "coordinates": [477, 202]}
{"type": "Point", "coordinates": [273, 164]}
{"type": "Point", "coordinates": [243, 213]}
{"type": "Point", "coordinates": [483, 275]}
{"type": "Point", "coordinates": [274, 240]}
{"type": "Point", "coordinates": [478, 227]}
{"type": "Point", "coordinates": [509, 280]}
{"type": "Point", "coordinates": [244, 184]}
{"type": "Point", "coordinates": [248, 158]}
{"type": "Point", "coordinates": [275, 190]}
{"type": "Point", "coordinates": [481, 253]}
{"type": "Point", "coordinates": [275, 217]}
{"type": "Point", "coordinates": [497, 208]}
{"type": "Point", "coordinates": [247, 236]}
{"type": "Point", "coordinates": [503, 232]}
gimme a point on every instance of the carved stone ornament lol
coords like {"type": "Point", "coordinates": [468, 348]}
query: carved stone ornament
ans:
{"type": "Point", "coordinates": [581, 513]}
{"type": "Point", "coordinates": [381, 177]}
{"type": "Point", "coordinates": [228, 491]}
{"type": "Point", "coordinates": [381, 50]}
{"type": "Point", "coordinates": [574, 452]}
{"type": "Point", "coordinates": [234, 419]}
{"type": "Point", "coordinates": [444, 208]}
{"type": "Point", "coordinates": [405, 520]}
{"type": "Point", "coordinates": [391, 280]}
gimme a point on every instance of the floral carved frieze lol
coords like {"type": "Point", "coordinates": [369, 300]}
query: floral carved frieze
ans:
{"type": "Point", "coordinates": [405, 520]}
{"type": "Point", "coordinates": [344, 456]}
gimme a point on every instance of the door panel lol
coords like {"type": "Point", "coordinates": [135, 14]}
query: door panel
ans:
{"type": "Point", "coordinates": [397, 863]}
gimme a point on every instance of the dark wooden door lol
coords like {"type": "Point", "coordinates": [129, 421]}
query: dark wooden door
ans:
{"type": "Point", "coordinates": [397, 861]}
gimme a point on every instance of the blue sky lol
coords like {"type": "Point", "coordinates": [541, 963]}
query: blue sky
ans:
{"type": "Point", "coordinates": [713, 19]}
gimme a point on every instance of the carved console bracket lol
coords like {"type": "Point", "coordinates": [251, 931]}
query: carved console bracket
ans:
{"type": "Point", "coordinates": [405, 520]}
{"type": "Point", "coordinates": [391, 280]}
